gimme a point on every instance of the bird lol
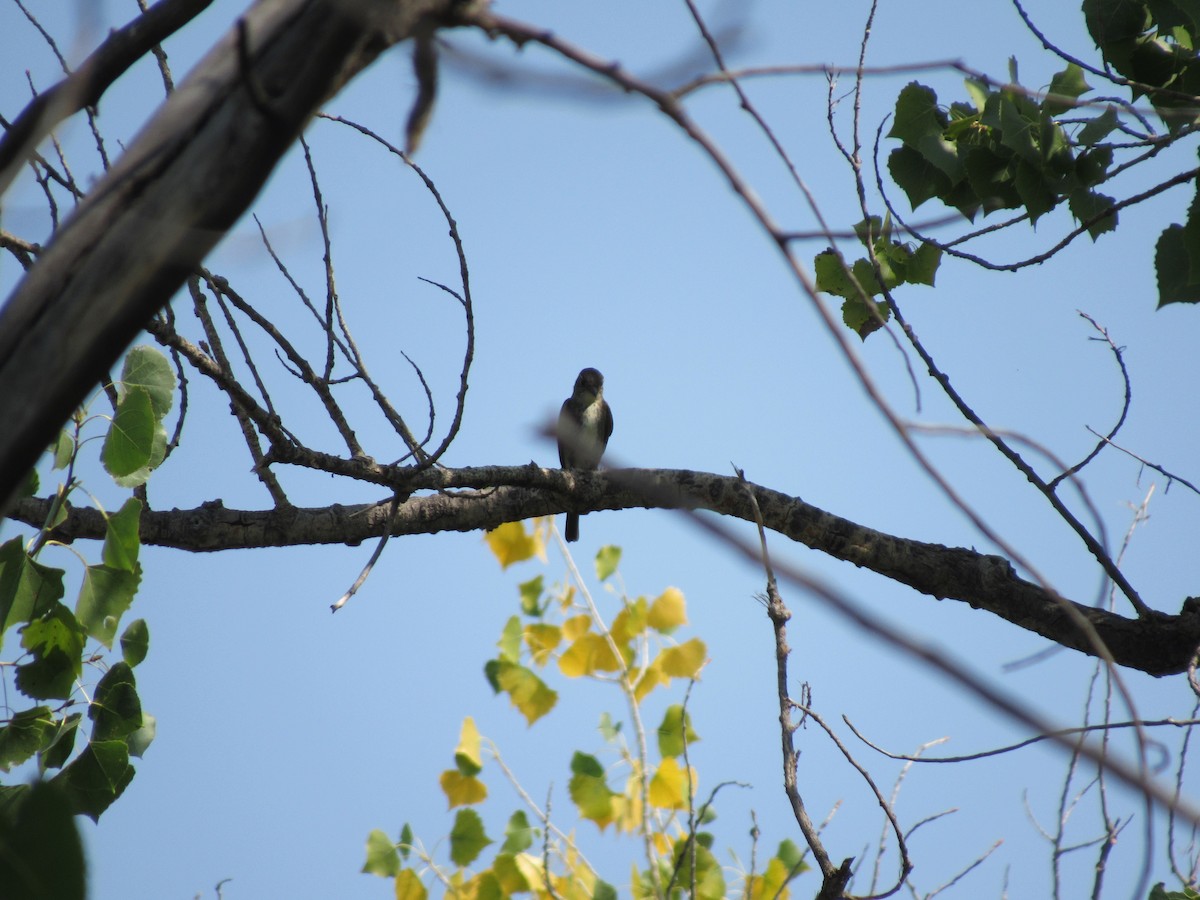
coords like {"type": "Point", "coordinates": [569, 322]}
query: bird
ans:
{"type": "Point", "coordinates": [584, 425]}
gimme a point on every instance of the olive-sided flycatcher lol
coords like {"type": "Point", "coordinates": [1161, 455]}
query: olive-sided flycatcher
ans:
{"type": "Point", "coordinates": [584, 425]}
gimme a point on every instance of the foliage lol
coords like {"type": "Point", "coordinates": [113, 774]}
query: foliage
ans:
{"type": "Point", "coordinates": [54, 646]}
{"type": "Point", "coordinates": [1008, 147]}
{"type": "Point", "coordinates": [653, 799]}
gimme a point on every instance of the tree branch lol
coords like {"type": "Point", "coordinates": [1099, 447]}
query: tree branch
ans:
{"type": "Point", "coordinates": [187, 177]}
{"type": "Point", "coordinates": [470, 499]}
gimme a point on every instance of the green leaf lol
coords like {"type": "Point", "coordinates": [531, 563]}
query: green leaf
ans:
{"type": "Point", "coordinates": [923, 264]}
{"type": "Point", "coordinates": [143, 737]}
{"type": "Point", "coordinates": [831, 274]}
{"type": "Point", "coordinates": [56, 642]}
{"type": "Point", "coordinates": [917, 116]}
{"type": "Point", "coordinates": [791, 856]}
{"type": "Point", "coordinates": [589, 790]}
{"type": "Point", "coordinates": [97, 777]}
{"type": "Point", "coordinates": [518, 834]}
{"type": "Point", "coordinates": [158, 452]}
{"type": "Point", "coordinates": [608, 558]}
{"type": "Point", "coordinates": [1036, 196]}
{"type": "Point", "coordinates": [609, 729]}
{"type": "Point", "coordinates": [1086, 205]}
{"type": "Point", "coordinates": [467, 837]}
{"type": "Point", "coordinates": [1065, 87]}
{"type": "Point", "coordinates": [528, 693]}
{"type": "Point", "coordinates": [115, 710]}
{"type": "Point", "coordinates": [858, 316]}
{"type": "Point", "coordinates": [130, 438]}
{"type": "Point", "coordinates": [121, 541]}
{"type": "Point", "coordinates": [510, 640]}
{"type": "Point", "coordinates": [1099, 127]}
{"type": "Point", "coordinates": [42, 856]}
{"type": "Point", "coordinates": [148, 369]}
{"type": "Point", "coordinates": [63, 449]}
{"type": "Point", "coordinates": [604, 891]}
{"type": "Point", "coordinates": [382, 858]}
{"type": "Point", "coordinates": [406, 841]}
{"type": "Point", "coordinates": [27, 733]}
{"type": "Point", "coordinates": [29, 485]}
{"type": "Point", "coordinates": [531, 595]}
{"type": "Point", "coordinates": [103, 598]}
{"type": "Point", "coordinates": [918, 178]}
{"type": "Point", "coordinates": [135, 642]}
{"type": "Point", "coordinates": [56, 753]}
{"type": "Point", "coordinates": [27, 588]}
{"type": "Point", "coordinates": [675, 731]}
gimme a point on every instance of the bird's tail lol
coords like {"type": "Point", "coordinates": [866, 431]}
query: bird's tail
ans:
{"type": "Point", "coordinates": [572, 527]}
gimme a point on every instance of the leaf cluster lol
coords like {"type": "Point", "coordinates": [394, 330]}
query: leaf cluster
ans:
{"type": "Point", "coordinates": [82, 766]}
{"type": "Point", "coordinates": [633, 651]}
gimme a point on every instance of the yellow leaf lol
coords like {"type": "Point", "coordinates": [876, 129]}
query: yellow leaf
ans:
{"type": "Point", "coordinates": [589, 654]}
{"type": "Point", "coordinates": [466, 754]}
{"type": "Point", "coordinates": [511, 544]}
{"type": "Point", "coordinates": [668, 611]}
{"type": "Point", "coordinates": [462, 790]}
{"type": "Point", "coordinates": [531, 870]}
{"type": "Point", "coordinates": [770, 883]}
{"type": "Point", "coordinates": [684, 661]}
{"type": "Point", "coordinates": [527, 692]}
{"type": "Point", "coordinates": [508, 873]}
{"type": "Point", "coordinates": [409, 887]}
{"type": "Point", "coordinates": [648, 679]}
{"type": "Point", "coordinates": [669, 786]}
{"type": "Point", "coordinates": [630, 621]}
{"type": "Point", "coordinates": [541, 640]}
{"type": "Point", "coordinates": [574, 627]}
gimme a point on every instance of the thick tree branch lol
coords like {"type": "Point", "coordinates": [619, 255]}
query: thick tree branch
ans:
{"type": "Point", "coordinates": [187, 177]}
{"type": "Point", "coordinates": [87, 84]}
{"type": "Point", "coordinates": [470, 499]}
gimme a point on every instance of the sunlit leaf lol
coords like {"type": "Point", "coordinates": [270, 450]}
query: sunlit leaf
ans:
{"type": "Point", "coordinates": [668, 611]}
{"type": "Point", "coordinates": [146, 368]}
{"type": "Point", "coordinates": [466, 755]}
{"type": "Point", "coordinates": [130, 438]}
{"type": "Point", "coordinates": [103, 598]}
{"type": "Point", "coordinates": [56, 643]}
{"type": "Point", "coordinates": [462, 790]}
{"type": "Point", "coordinates": [572, 628]}
{"type": "Point", "coordinates": [121, 542]}
{"type": "Point", "coordinates": [382, 858]}
{"type": "Point", "coordinates": [669, 786]}
{"type": "Point", "coordinates": [684, 661]}
{"type": "Point", "coordinates": [675, 731]}
{"type": "Point", "coordinates": [510, 543]}
{"type": "Point", "coordinates": [409, 886]}
{"type": "Point", "coordinates": [528, 693]}
{"type": "Point", "coordinates": [587, 655]}
{"type": "Point", "coordinates": [510, 640]}
{"type": "Point", "coordinates": [541, 640]}
{"type": "Point", "coordinates": [518, 833]}
{"type": "Point", "coordinates": [607, 560]}
{"type": "Point", "coordinates": [629, 622]}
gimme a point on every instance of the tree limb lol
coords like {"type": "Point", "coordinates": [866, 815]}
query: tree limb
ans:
{"type": "Point", "coordinates": [470, 499]}
{"type": "Point", "coordinates": [186, 178]}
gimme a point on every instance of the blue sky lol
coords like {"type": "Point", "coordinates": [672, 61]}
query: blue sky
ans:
{"type": "Point", "coordinates": [598, 235]}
